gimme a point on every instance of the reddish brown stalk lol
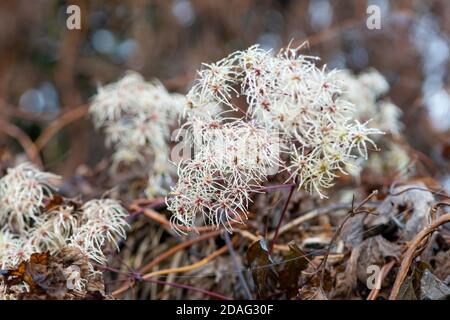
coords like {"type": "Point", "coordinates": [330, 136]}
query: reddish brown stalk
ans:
{"type": "Point", "coordinates": [161, 219]}
{"type": "Point", "coordinates": [283, 213]}
{"type": "Point", "coordinates": [22, 138]}
{"type": "Point", "coordinates": [175, 249]}
{"type": "Point", "coordinates": [277, 186]}
{"type": "Point", "coordinates": [411, 252]}
{"type": "Point", "coordinates": [149, 202]}
{"type": "Point", "coordinates": [173, 284]}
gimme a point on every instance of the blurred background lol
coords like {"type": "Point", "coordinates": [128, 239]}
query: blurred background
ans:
{"type": "Point", "coordinates": [48, 73]}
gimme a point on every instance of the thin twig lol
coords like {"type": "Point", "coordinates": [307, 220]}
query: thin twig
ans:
{"type": "Point", "coordinates": [170, 253]}
{"type": "Point", "coordinates": [411, 253]}
{"type": "Point", "coordinates": [353, 211]}
{"type": "Point", "coordinates": [237, 268]}
{"type": "Point", "coordinates": [187, 268]}
{"type": "Point", "coordinates": [161, 219]}
{"type": "Point", "coordinates": [280, 221]}
{"type": "Point", "coordinates": [22, 138]}
{"type": "Point", "coordinates": [436, 192]}
{"type": "Point", "coordinates": [250, 236]}
{"type": "Point", "coordinates": [276, 187]}
{"type": "Point", "coordinates": [309, 215]}
{"type": "Point", "coordinates": [136, 276]}
{"type": "Point", "coordinates": [175, 249]}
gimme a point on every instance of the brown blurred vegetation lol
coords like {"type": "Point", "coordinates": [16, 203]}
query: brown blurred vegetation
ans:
{"type": "Point", "coordinates": [48, 74]}
{"type": "Point", "coordinates": [170, 39]}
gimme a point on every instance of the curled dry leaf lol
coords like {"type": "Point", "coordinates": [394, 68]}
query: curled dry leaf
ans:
{"type": "Point", "coordinates": [260, 263]}
{"type": "Point", "coordinates": [413, 196]}
{"type": "Point", "coordinates": [373, 251]}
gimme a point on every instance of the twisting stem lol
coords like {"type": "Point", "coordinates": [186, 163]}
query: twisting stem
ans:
{"type": "Point", "coordinates": [283, 213]}
{"type": "Point", "coordinates": [410, 253]}
{"type": "Point", "coordinates": [23, 139]}
{"type": "Point", "coordinates": [64, 120]}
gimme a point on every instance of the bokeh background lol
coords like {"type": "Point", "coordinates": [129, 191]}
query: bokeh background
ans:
{"type": "Point", "coordinates": [48, 73]}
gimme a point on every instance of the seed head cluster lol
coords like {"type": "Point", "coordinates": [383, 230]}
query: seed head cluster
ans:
{"type": "Point", "coordinates": [367, 92]}
{"type": "Point", "coordinates": [136, 117]}
{"type": "Point", "coordinates": [299, 111]}
{"type": "Point", "coordinates": [30, 223]}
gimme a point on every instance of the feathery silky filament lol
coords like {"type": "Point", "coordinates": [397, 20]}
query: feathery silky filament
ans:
{"type": "Point", "coordinates": [27, 226]}
{"type": "Point", "coordinates": [136, 117]}
{"type": "Point", "coordinates": [295, 111]}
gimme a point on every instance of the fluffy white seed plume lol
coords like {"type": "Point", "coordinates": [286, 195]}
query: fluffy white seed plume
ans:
{"type": "Point", "coordinates": [367, 92]}
{"type": "Point", "coordinates": [136, 117]}
{"type": "Point", "coordinates": [288, 97]}
{"type": "Point", "coordinates": [231, 160]}
{"type": "Point", "coordinates": [27, 226]}
{"type": "Point", "coordinates": [103, 221]}
{"type": "Point", "coordinates": [22, 192]}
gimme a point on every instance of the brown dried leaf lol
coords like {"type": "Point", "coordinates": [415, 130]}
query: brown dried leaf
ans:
{"type": "Point", "coordinates": [375, 251]}
{"type": "Point", "coordinates": [407, 291]}
{"type": "Point", "coordinates": [431, 288]}
{"type": "Point", "coordinates": [260, 264]}
{"type": "Point", "coordinates": [442, 262]}
{"type": "Point", "coordinates": [295, 263]}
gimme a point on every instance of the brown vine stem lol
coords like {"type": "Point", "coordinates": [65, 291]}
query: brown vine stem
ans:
{"type": "Point", "coordinates": [136, 276]}
{"type": "Point", "coordinates": [237, 267]}
{"type": "Point", "coordinates": [283, 213]}
{"type": "Point", "coordinates": [175, 249]}
{"type": "Point", "coordinates": [22, 138]}
{"type": "Point", "coordinates": [410, 253]}
{"type": "Point", "coordinates": [309, 215]}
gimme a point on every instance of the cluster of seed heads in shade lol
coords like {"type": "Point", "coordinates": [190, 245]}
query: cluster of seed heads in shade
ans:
{"type": "Point", "coordinates": [26, 226]}
{"type": "Point", "coordinates": [137, 117]}
{"type": "Point", "coordinates": [253, 114]}
{"type": "Point", "coordinates": [368, 93]}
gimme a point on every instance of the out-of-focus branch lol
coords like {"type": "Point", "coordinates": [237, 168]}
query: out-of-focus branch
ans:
{"type": "Point", "coordinates": [22, 138]}
{"type": "Point", "coordinates": [68, 117]}
{"type": "Point", "coordinates": [65, 80]}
